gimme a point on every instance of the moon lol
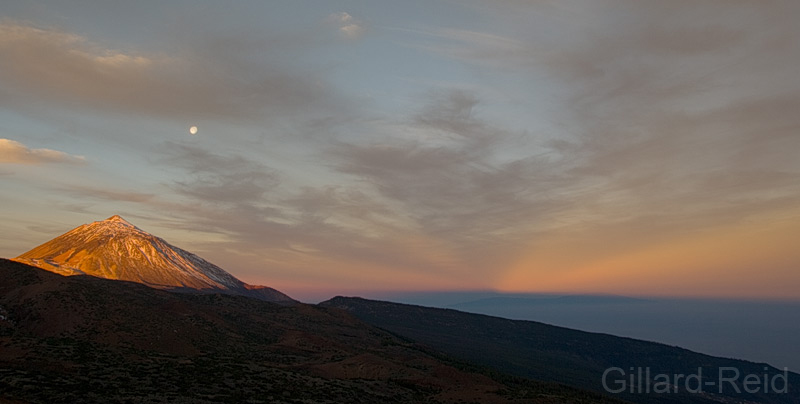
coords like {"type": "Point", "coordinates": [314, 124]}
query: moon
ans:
{"type": "Point", "coordinates": [193, 130]}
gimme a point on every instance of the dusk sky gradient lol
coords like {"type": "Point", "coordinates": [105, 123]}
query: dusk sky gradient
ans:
{"type": "Point", "coordinates": [612, 146]}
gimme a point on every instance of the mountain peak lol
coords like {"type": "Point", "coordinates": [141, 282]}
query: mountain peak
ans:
{"type": "Point", "coordinates": [116, 249]}
{"type": "Point", "coordinates": [114, 223]}
{"type": "Point", "coordinates": [117, 219]}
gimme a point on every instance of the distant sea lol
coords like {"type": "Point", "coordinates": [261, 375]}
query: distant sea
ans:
{"type": "Point", "coordinates": [758, 331]}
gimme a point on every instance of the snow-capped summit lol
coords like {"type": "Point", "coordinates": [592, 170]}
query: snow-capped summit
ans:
{"type": "Point", "coordinates": [118, 219]}
{"type": "Point", "coordinates": [116, 249]}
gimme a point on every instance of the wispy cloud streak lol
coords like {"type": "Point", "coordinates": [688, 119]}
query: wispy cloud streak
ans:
{"type": "Point", "coordinates": [13, 152]}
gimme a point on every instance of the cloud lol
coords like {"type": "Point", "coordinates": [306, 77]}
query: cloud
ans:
{"type": "Point", "coordinates": [215, 78]}
{"type": "Point", "coordinates": [454, 200]}
{"type": "Point", "coordinates": [476, 47]}
{"type": "Point", "coordinates": [216, 177]}
{"type": "Point", "coordinates": [653, 101]}
{"type": "Point", "coordinates": [300, 232]}
{"type": "Point", "coordinates": [652, 121]}
{"type": "Point", "coordinates": [13, 152]}
{"type": "Point", "coordinates": [112, 195]}
{"type": "Point", "coordinates": [671, 120]}
{"type": "Point", "coordinates": [455, 186]}
{"type": "Point", "coordinates": [348, 26]}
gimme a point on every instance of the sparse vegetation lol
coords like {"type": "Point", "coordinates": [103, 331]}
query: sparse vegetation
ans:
{"type": "Point", "coordinates": [83, 339]}
{"type": "Point", "coordinates": [532, 350]}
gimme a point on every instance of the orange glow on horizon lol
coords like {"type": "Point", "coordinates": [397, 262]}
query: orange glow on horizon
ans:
{"type": "Point", "coordinates": [745, 260]}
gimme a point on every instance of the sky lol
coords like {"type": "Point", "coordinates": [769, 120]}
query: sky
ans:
{"type": "Point", "coordinates": [599, 146]}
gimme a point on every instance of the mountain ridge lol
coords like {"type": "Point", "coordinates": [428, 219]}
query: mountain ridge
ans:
{"type": "Point", "coordinates": [66, 339]}
{"type": "Point", "coordinates": [552, 353]}
{"type": "Point", "coordinates": [116, 249]}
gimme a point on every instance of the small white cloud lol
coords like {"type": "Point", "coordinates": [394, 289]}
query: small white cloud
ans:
{"type": "Point", "coordinates": [347, 25]}
{"type": "Point", "coordinates": [352, 30]}
{"type": "Point", "coordinates": [13, 152]}
{"type": "Point", "coordinates": [118, 60]}
{"type": "Point", "coordinates": [341, 18]}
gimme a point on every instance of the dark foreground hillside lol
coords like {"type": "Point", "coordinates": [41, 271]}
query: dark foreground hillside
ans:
{"type": "Point", "coordinates": [544, 352]}
{"type": "Point", "coordinates": [90, 340]}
